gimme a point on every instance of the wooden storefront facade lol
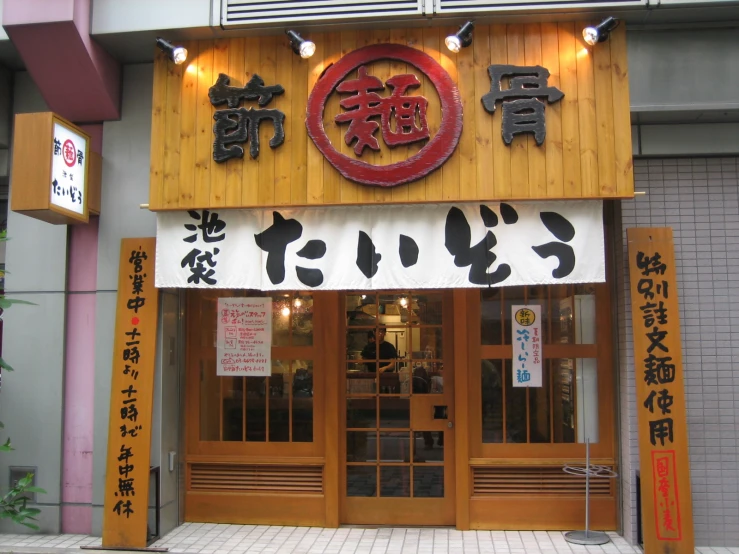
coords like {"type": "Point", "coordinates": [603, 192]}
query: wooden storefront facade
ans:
{"type": "Point", "coordinates": [444, 438]}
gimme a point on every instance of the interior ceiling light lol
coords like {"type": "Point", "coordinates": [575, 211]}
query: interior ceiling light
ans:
{"type": "Point", "coordinates": [177, 54]}
{"type": "Point", "coordinates": [462, 38]}
{"type": "Point", "coordinates": [599, 33]}
{"type": "Point", "coordinates": [304, 48]}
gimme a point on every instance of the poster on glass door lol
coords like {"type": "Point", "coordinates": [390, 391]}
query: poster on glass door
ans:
{"type": "Point", "coordinates": [244, 337]}
{"type": "Point", "coordinates": [527, 357]}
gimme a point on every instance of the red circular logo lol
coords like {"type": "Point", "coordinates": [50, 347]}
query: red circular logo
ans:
{"type": "Point", "coordinates": [69, 153]}
{"type": "Point", "coordinates": [434, 153]}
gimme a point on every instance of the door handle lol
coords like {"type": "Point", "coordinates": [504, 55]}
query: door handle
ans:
{"type": "Point", "coordinates": [450, 425]}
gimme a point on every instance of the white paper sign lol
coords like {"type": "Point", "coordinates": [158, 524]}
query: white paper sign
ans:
{"type": "Point", "coordinates": [527, 357]}
{"type": "Point", "coordinates": [244, 339]}
{"type": "Point", "coordinates": [383, 247]}
{"type": "Point", "coordinates": [68, 169]}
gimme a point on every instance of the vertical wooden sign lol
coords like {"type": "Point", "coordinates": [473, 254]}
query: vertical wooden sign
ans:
{"type": "Point", "coordinates": [667, 515]}
{"type": "Point", "coordinates": [131, 398]}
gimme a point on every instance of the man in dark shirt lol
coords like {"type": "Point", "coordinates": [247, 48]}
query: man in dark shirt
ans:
{"type": "Point", "coordinates": [387, 352]}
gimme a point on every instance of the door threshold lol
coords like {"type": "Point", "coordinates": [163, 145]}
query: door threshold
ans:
{"type": "Point", "coordinates": [370, 526]}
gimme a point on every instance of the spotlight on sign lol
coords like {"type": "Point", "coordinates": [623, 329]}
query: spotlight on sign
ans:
{"type": "Point", "coordinates": [599, 33]}
{"type": "Point", "coordinates": [462, 38]}
{"type": "Point", "coordinates": [304, 48]}
{"type": "Point", "coordinates": [177, 54]}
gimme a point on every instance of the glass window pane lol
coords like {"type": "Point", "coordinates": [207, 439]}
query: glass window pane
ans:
{"type": "Point", "coordinates": [586, 391]}
{"type": "Point", "coordinates": [395, 412]}
{"type": "Point", "coordinates": [491, 325]}
{"type": "Point", "coordinates": [428, 446]}
{"type": "Point", "coordinates": [515, 402]}
{"type": "Point", "coordinates": [233, 408]}
{"type": "Point", "coordinates": [492, 400]}
{"type": "Point", "coordinates": [279, 401]}
{"type": "Point", "coordinates": [427, 343]}
{"type": "Point", "coordinates": [361, 446]}
{"type": "Point", "coordinates": [395, 447]}
{"type": "Point", "coordinates": [361, 345]}
{"type": "Point", "coordinates": [512, 296]}
{"type": "Point", "coordinates": [256, 406]}
{"type": "Point", "coordinates": [361, 413]}
{"type": "Point", "coordinates": [361, 310]}
{"type": "Point", "coordinates": [391, 344]}
{"type": "Point", "coordinates": [539, 408]}
{"type": "Point", "coordinates": [359, 380]}
{"type": "Point", "coordinates": [585, 327]}
{"type": "Point", "coordinates": [562, 314]}
{"type": "Point", "coordinates": [302, 320]}
{"type": "Point", "coordinates": [281, 309]}
{"type": "Point", "coordinates": [210, 398]}
{"type": "Point", "coordinates": [395, 481]}
{"type": "Point", "coordinates": [427, 309]}
{"type": "Point", "coordinates": [302, 392]}
{"type": "Point", "coordinates": [537, 296]}
{"type": "Point", "coordinates": [563, 402]}
{"type": "Point", "coordinates": [361, 481]}
{"type": "Point", "coordinates": [428, 482]}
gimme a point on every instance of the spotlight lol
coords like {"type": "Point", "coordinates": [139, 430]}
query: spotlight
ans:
{"type": "Point", "coordinates": [285, 311]}
{"type": "Point", "coordinates": [300, 46]}
{"type": "Point", "coordinates": [462, 39]}
{"type": "Point", "coordinates": [594, 35]}
{"type": "Point", "coordinates": [177, 54]}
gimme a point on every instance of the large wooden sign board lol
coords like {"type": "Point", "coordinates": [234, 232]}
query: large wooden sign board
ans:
{"type": "Point", "coordinates": [131, 398]}
{"type": "Point", "coordinates": [667, 516]}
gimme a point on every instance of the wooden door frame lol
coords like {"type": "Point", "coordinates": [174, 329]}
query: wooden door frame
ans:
{"type": "Point", "coordinates": [336, 408]}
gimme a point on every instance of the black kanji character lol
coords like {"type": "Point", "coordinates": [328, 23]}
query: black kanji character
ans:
{"type": "Point", "coordinates": [656, 336]}
{"type": "Point", "coordinates": [561, 228]}
{"type": "Point", "coordinates": [125, 507]}
{"type": "Point", "coordinates": [274, 241]}
{"type": "Point", "coordinates": [240, 125]}
{"type": "Point", "coordinates": [650, 265]}
{"type": "Point", "coordinates": [130, 412]}
{"type": "Point", "coordinates": [196, 260]}
{"type": "Point", "coordinates": [125, 487]}
{"type": "Point", "coordinates": [664, 401]}
{"type": "Point", "coordinates": [132, 354]}
{"type": "Point", "coordinates": [652, 313]}
{"type": "Point", "coordinates": [125, 454]}
{"type": "Point", "coordinates": [137, 282]}
{"type": "Point", "coordinates": [125, 469]}
{"type": "Point", "coordinates": [211, 225]}
{"type": "Point", "coordinates": [660, 429]}
{"type": "Point", "coordinates": [657, 371]}
{"type": "Point", "coordinates": [136, 303]}
{"type": "Point", "coordinates": [479, 257]}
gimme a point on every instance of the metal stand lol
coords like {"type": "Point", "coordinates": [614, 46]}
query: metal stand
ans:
{"type": "Point", "coordinates": [587, 536]}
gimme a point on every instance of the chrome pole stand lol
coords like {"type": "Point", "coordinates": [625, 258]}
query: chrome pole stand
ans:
{"type": "Point", "coordinates": [587, 536]}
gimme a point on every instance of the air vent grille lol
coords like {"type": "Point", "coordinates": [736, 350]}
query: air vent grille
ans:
{"type": "Point", "coordinates": [537, 480]}
{"type": "Point", "coordinates": [248, 12]}
{"type": "Point", "coordinates": [286, 479]}
{"type": "Point", "coordinates": [468, 6]}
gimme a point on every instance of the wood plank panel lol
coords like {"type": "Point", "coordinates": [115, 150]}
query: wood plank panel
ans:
{"type": "Point", "coordinates": [348, 190]}
{"type": "Point", "coordinates": [550, 60]}
{"type": "Point", "coordinates": [314, 183]}
{"type": "Point", "coordinates": [204, 121]}
{"type": "Point", "coordinates": [501, 153]}
{"type": "Point", "coordinates": [621, 113]}
{"type": "Point", "coordinates": [431, 46]}
{"type": "Point", "coordinates": [588, 121]}
{"type": "Point", "coordinates": [268, 72]}
{"type": "Point", "coordinates": [296, 125]}
{"type": "Point", "coordinates": [158, 122]}
{"type": "Point", "coordinates": [218, 170]}
{"type": "Point", "coordinates": [283, 154]}
{"type": "Point", "coordinates": [255, 509]}
{"type": "Point", "coordinates": [450, 170]}
{"type": "Point", "coordinates": [604, 110]}
{"type": "Point", "coordinates": [250, 175]}
{"type": "Point", "coordinates": [417, 189]}
{"type": "Point", "coordinates": [483, 121]}
{"type": "Point", "coordinates": [235, 171]}
{"type": "Point", "coordinates": [553, 514]}
{"type": "Point", "coordinates": [536, 154]}
{"type": "Point", "coordinates": [519, 147]}
{"type": "Point", "coordinates": [470, 104]}
{"type": "Point", "coordinates": [570, 112]}
{"type": "Point", "coordinates": [587, 152]}
{"type": "Point", "coordinates": [171, 183]}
